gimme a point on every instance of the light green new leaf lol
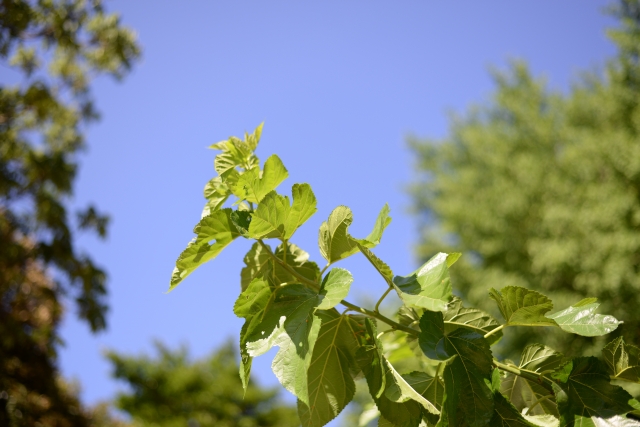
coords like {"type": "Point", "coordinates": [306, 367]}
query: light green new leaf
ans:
{"type": "Point", "coordinates": [216, 192]}
{"type": "Point", "coordinates": [523, 393]}
{"type": "Point", "coordinates": [303, 207]}
{"type": "Point", "coordinates": [330, 380]}
{"type": "Point", "coordinates": [456, 316]}
{"type": "Point", "coordinates": [335, 287]}
{"type": "Point", "coordinates": [254, 184]}
{"type": "Point", "coordinates": [276, 218]}
{"type": "Point", "coordinates": [521, 306]}
{"type": "Point", "coordinates": [586, 398]}
{"type": "Point", "coordinates": [622, 359]}
{"type": "Point", "coordinates": [254, 138]}
{"type": "Point", "coordinates": [581, 319]}
{"type": "Point", "coordinates": [333, 239]}
{"type": "Point", "coordinates": [217, 228]}
{"type": "Point", "coordinates": [382, 221]}
{"type": "Point", "coordinates": [428, 287]}
{"type": "Point", "coordinates": [469, 365]}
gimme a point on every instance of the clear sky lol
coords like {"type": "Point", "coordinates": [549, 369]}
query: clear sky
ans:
{"type": "Point", "coordinates": [339, 85]}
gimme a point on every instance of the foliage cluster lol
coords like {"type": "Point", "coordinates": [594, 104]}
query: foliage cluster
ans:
{"type": "Point", "coordinates": [288, 301]}
{"type": "Point", "coordinates": [554, 182]}
{"type": "Point", "coordinates": [53, 49]}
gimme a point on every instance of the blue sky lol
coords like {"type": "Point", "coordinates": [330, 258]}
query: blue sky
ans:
{"type": "Point", "coordinates": [339, 85]}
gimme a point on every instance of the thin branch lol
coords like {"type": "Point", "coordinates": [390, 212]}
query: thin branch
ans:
{"type": "Point", "coordinates": [542, 399]}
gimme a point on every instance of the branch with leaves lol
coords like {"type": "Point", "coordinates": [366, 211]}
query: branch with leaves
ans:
{"type": "Point", "coordinates": [289, 302]}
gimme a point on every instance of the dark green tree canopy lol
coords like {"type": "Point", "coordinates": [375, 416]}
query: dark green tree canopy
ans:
{"type": "Point", "coordinates": [169, 390]}
{"type": "Point", "coordinates": [542, 189]}
{"type": "Point", "coordinates": [54, 49]}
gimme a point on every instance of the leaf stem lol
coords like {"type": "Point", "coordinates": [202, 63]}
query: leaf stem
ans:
{"type": "Point", "coordinates": [316, 286]}
{"type": "Point", "coordinates": [377, 307]}
{"type": "Point", "coordinates": [531, 376]}
{"type": "Point", "coordinates": [493, 331]}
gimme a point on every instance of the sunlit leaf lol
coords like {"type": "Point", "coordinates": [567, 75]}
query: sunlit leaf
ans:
{"type": "Point", "coordinates": [521, 306]}
{"type": "Point", "coordinates": [581, 319]}
{"type": "Point", "coordinates": [276, 218]}
{"type": "Point", "coordinates": [254, 184]}
{"type": "Point", "coordinates": [331, 385]}
{"type": "Point", "coordinates": [335, 287]}
{"type": "Point", "coordinates": [622, 359]}
{"type": "Point", "coordinates": [428, 287]}
{"type": "Point", "coordinates": [213, 234]}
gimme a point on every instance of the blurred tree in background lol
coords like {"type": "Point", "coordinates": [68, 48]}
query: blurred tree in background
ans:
{"type": "Point", "coordinates": [52, 49]}
{"type": "Point", "coordinates": [171, 391]}
{"type": "Point", "coordinates": [542, 189]}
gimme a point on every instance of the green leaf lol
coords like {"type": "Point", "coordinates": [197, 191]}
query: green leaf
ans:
{"type": "Point", "coordinates": [330, 380]}
{"type": "Point", "coordinates": [382, 221]}
{"type": "Point", "coordinates": [521, 306]}
{"type": "Point", "coordinates": [506, 415]}
{"type": "Point", "coordinates": [241, 220]}
{"type": "Point", "coordinates": [289, 323]}
{"type": "Point", "coordinates": [469, 364]}
{"type": "Point", "coordinates": [253, 185]}
{"type": "Point", "coordinates": [275, 218]}
{"type": "Point", "coordinates": [251, 305]}
{"type": "Point", "coordinates": [585, 396]}
{"type": "Point", "coordinates": [304, 206]}
{"type": "Point", "coordinates": [580, 319]}
{"type": "Point", "coordinates": [428, 287]}
{"type": "Point", "coordinates": [334, 240]}
{"type": "Point", "coordinates": [379, 265]}
{"type": "Point", "coordinates": [254, 138]}
{"type": "Point", "coordinates": [456, 316]}
{"type": "Point", "coordinates": [543, 420]}
{"type": "Point", "coordinates": [523, 393]}
{"type": "Point", "coordinates": [216, 192]}
{"type": "Point", "coordinates": [335, 287]}
{"type": "Point", "coordinates": [431, 388]}
{"type": "Point", "coordinates": [292, 361]}
{"type": "Point", "coordinates": [258, 263]}
{"type": "Point", "coordinates": [373, 363]}
{"type": "Point", "coordinates": [291, 307]}
{"type": "Point", "coordinates": [622, 359]}
{"type": "Point", "coordinates": [217, 228]}
{"type": "Point", "coordinates": [399, 390]}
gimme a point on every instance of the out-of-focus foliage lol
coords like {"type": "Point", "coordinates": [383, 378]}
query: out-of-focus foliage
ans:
{"type": "Point", "coordinates": [53, 49]}
{"type": "Point", "coordinates": [170, 390]}
{"type": "Point", "coordinates": [543, 188]}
